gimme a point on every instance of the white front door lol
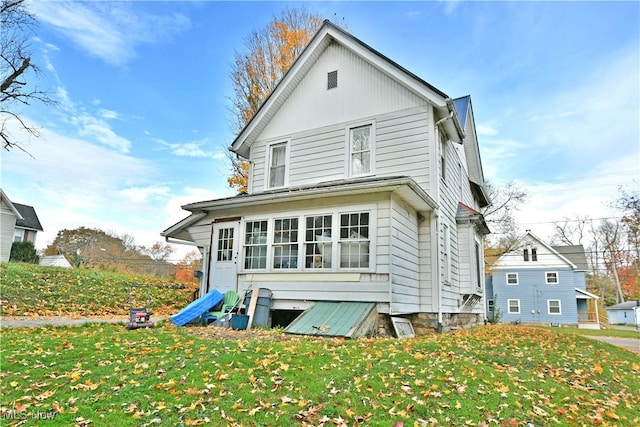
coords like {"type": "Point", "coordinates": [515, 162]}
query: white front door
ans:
{"type": "Point", "coordinates": [224, 257]}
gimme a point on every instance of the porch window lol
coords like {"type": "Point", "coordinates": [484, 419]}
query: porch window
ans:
{"type": "Point", "coordinates": [277, 169]}
{"type": "Point", "coordinates": [360, 149]}
{"type": "Point", "coordinates": [551, 277]}
{"type": "Point", "coordinates": [285, 243]}
{"type": "Point", "coordinates": [554, 307]}
{"type": "Point", "coordinates": [513, 306]}
{"type": "Point", "coordinates": [354, 240]}
{"type": "Point", "coordinates": [318, 241]}
{"type": "Point", "coordinates": [512, 278]}
{"type": "Point", "coordinates": [255, 250]}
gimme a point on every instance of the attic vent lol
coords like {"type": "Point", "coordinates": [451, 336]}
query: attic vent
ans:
{"type": "Point", "coordinates": [332, 79]}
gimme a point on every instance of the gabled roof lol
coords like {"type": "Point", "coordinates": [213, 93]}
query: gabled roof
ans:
{"type": "Point", "coordinates": [327, 34]}
{"type": "Point", "coordinates": [467, 213]}
{"type": "Point", "coordinates": [624, 305]}
{"type": "Point", "coordinates": [29, 218]}
{"type": "Point", "coordinates": [574, 253]}
{"type": "Point", "coordinates": [4, 199]}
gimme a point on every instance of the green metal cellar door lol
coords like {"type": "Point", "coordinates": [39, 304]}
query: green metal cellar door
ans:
{"type": "Point", "coordinates": [336, 319]}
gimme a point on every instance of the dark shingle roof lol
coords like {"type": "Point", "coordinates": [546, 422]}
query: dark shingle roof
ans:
{"type": "Point", "coordinates": [29, 217]}
{"type": "Point", "coordinates": [575, 254]}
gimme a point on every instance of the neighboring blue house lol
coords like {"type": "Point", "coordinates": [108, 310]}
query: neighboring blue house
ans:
{"type": "Point", "coordinates": [624, 313]}
{"type": "Point", "coordinates": [538, 283]}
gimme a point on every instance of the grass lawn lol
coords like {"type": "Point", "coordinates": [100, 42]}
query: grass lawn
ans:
{"type": "Point", "coordinates": [103, 375]}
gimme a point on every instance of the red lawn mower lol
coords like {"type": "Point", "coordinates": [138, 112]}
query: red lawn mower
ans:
{"type": "Point", "coordinates": [139, 317]}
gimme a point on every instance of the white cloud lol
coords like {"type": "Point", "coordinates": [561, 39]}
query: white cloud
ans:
{"type": "Point", "coordinates": [108, 30]}
{"type": "Point", "coordinates": [190, 149]}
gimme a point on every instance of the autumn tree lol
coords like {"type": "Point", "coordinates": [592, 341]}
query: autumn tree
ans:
{"type": "Point", "coordinates": [17, 25]}
{"type": "Point", "coordinates": [269, 52]}
{"type": "Point", "coordinates": [189, 264]}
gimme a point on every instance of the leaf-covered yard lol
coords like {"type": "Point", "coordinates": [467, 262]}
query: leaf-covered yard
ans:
{"type": "Point", "coordinates": [32, 290]}
{"type": "Point", "coordinates": [495, 375]}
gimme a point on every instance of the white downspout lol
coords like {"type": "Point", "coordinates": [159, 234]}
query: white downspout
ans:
{"type": "Point", "coordinates": [438, 283]}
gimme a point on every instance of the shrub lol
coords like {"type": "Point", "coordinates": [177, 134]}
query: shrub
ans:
{"type": "Point", "coordinates": [24, 252]}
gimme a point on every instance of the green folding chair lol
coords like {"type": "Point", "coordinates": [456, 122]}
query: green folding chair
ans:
{"type": "Point", "coordinates": [231, 299]}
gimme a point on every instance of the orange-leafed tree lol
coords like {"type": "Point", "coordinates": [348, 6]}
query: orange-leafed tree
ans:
{"type": "Point", "coordinates": [189, 264]}
{"type": "Point", "coordinates": [269, 53]}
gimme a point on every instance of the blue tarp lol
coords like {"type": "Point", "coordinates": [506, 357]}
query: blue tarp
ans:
{"type": "Point", "coordinates": [197, 308]}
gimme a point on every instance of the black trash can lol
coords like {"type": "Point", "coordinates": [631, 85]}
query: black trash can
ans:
{"type": "Point", "coordinates": [263, 307]}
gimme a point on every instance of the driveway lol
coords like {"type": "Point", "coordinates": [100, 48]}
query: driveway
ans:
{"type": "Point", "coordinates": [630, 344]}
{"type": "Point", "coordinates": [34, 322]}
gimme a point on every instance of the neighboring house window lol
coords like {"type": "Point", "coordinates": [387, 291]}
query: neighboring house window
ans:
{"type": "Point", "coordinates": [225, 244]}
{"type": "Point", "coordinates": [446, 251]}
{"type": "Point", "coordinates": [490, 306]}
{"type": "Point", "coordinates": [255, 251]}
{"type": "Point", "coordinates": [318, 241]}
{"type": "Point", "coordinates": [554, 307]}
{"type": "Point", "coordinates": [285, 243]}
{"type": "Point", "coordinates": [512, 278]}
{"type": "Point", "coordinates": [443, 156]}
{"type": "Point", "coordinates": [478, 264]}
{"type": "Point", "coordinates": [332, 79]}
{"type": "Point", "coordinates": [354, 240]}
{"type": "Point", "coordinates": [278, 165]}
{"type": "Point", "coordinates": [526, 254]}
{"type": "Point", "coordinates": [513, 306]}
{"type": "Point", "coordinates": [551, 277]}
{"type": "Point", "coordinates": [17, 235]}
{"type": "Point", "coordinates": [360, 150]}
{"type": "Point", "coordinates": [534, 254]}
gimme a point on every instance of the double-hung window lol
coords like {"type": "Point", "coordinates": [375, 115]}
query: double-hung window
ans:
{"type": "Point", "coordinates": [255, 250]}
{"type": "Point", "coordinates": [277, 165]}
{"type": "Point", "coordinates": [554, 306]}
{"type": "Point", "coordinates": [551, 277]}
{"type": "Point", "coordinates": [354, 240]}
{"type": "Point", "coordinates": [360, 150]}
{"type": "Point", "coordinates": [285, 243]}
{"type": "Point", "coordinates": [318, 241]}
{"type": "Point", "coordinates": [513, 306]}
{"type": "Point", "coordinates": [512, 278]}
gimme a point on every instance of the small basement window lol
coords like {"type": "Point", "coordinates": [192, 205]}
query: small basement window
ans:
{"type": "Point", "coordinates": [332, 79]}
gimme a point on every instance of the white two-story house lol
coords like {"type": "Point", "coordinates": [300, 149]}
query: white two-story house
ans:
{"type": "Point", "coordinates": [365, 185]}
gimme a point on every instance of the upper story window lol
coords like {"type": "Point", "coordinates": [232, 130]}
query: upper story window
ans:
{"type": "Point", "coordinates": [361, 150]}
{"type": "Point", "coordinates": [443, 156]}
{"type": "Point", "coordinates": [277, 164]}
{"type": "Point", "coordinates": [512, 278]}
{"type": "Point", "coordinates": [551, 277]}
{"type": "Point", "coordinates": [526, 254]}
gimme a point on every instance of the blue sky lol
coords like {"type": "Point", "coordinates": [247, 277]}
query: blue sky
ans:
{"type": "Point", "coordinates": [143, 122]}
